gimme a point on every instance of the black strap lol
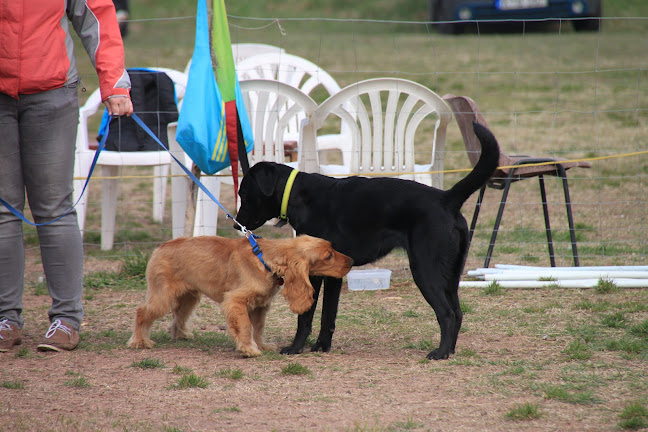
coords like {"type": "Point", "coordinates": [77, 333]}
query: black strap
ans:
{"type": "Point", "coordinates": [242, 153]}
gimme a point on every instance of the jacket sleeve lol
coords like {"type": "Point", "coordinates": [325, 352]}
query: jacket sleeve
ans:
{"type": "Point", "coordinates": [95, 22]}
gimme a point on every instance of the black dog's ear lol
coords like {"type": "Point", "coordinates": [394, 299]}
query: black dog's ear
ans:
{"type": "Point", "coordinates": [266, 176]}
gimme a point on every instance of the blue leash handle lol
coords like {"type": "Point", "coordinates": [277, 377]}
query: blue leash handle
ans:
{"type": "Point", "coordinates": [102, 144]}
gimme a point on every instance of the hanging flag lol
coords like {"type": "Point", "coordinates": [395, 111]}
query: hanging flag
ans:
{"type": "Point", "coordinates": [237, 123]}
{"type": "Point", "coordinates": [213, 127]}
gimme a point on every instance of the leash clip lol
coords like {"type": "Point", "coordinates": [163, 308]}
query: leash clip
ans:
{"type": "Point", "coordinates": [255, 247]}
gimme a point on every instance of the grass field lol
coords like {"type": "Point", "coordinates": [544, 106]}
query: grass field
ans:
{"type": "Point", "coordinates": [546, 359]}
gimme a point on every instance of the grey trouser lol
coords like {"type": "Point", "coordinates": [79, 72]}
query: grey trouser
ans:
{"type": "Point", "coordinates": [37, 146]}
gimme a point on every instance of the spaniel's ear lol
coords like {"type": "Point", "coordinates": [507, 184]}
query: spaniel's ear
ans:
{"type": "Point", "coordinates": [298, 290]}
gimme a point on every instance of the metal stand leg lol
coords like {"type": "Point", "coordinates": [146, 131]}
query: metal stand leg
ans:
{"type": "Point", "coordinates": [561, 172]}
{"type": "Point", "coordinates": [570, 218]}
{"type": "Point", "coordinates": [545, 210]}
{"type": "Point", "coordinates": [473, 223]}
{"type": "Point", "coordinates": [500, 212]}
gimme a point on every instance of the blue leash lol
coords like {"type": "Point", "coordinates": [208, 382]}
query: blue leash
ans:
{"type": "Point", "coordinates": [102, 144]}
{"type": "Point", "coordinates": [248, 234]}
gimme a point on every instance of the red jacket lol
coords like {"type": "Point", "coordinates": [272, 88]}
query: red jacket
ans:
{"type": "Point", "coordinates": [36, 49]}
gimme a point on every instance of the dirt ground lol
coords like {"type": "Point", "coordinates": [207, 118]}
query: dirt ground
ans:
{"type": "Point", "coordinates": [375, 378]}
{"type": "Point", "coordinates": [350, 390]}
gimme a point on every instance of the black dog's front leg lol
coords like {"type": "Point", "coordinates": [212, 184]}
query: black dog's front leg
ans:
{"type": "Point", "coordinates": [305, 321]}
{"type": "Point", "coordinates": [332, 288]}
{"type": "Point", "coordinates": [447, 324]}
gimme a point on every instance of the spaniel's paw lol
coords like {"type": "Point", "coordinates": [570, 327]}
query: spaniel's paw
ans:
{"type": "Point", "coordinates": [250, 352]}
{"type": "Point", "coordinates": [267, 346]}
{"type": "Point", "coordinates": [180, 333]}
{"type": "Point", "coordinates": [140, 343]}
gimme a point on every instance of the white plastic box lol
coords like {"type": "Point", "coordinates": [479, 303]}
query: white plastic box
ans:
{"type": "Point", "coordinates": [371, 279]}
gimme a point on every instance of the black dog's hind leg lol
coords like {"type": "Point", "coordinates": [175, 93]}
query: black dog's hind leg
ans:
{"type": "Point", "coordinates": [305, 321]}
{"type": "Point", "coordinates": [447, 323]}
{"type": "Point", "coordinates": [332, 288]}
{"type": "Point", "coordinates": [452, 295]}
{"type": "Point", "coordinates": [430, 281]}
{"type": "Point", "coordinates": [453, 299]}
{"type": "Point", "coordinates": [452, 289]}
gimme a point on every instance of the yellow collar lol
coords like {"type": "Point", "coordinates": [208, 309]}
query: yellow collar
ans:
{"type": "Point", "coordinates": [286, 194]}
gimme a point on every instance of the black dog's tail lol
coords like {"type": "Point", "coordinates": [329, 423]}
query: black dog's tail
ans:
{"type": "Point", "coordinates": [486, 166]}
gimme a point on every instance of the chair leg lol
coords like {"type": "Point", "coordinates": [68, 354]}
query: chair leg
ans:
{"type": "Point", "coordinates": [473, 223]}
{"type": "Point", "coordinates": [206, 222]}
{"type": "Point", "coordinates": [179, 185]}
{"type": "Point", "coordinates": [109, 189]}
{"type": "Point", "coordinates": [82, 205]}
{"type": "Point", "coordinates": [570, 218]}
{"type": "Point", "coordinates": [179, 198]}
{"type": "Point", "coordinates": [500, 212]}
{"type": "Point", "coordinates": [545, 211]}
{"type": "Point", "coordinates": [82, 169]}
{"type": "Point", "coordinates": [160, 180]}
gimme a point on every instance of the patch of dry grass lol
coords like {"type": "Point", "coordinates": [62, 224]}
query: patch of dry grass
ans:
{"type": "Point", "coordinates": [520, 348]}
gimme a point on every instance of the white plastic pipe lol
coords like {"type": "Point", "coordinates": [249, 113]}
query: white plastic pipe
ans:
{"type": "Point", "coordinates": [577, 283]}
{"type": "Point", "coordinates": [563, 275]}
{"type": "Point", "coordinates": [559, 271]}
{"type": "Point", "coordinates": [586, 268]}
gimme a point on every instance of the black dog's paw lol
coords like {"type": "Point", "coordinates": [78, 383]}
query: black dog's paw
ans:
{"type": "Point", "coordinates": [321, 346]}
{"type": "Point", "coordinates": [291, 350]}
{"type": "Point", "coordinates": [437, 354]}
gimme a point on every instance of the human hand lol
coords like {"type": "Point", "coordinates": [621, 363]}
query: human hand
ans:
{"type": "Point", "coordinates": [119, 105]}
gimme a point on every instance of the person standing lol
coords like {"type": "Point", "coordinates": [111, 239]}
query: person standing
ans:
{"type": "Point", "coordinates": [39, 113]}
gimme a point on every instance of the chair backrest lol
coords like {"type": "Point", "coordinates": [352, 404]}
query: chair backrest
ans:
{"type": "Point", "coordinates": [466, 112]}
{"type": "Point", "coordinates": [241, 51]}
{"type": "Point", "coordinates": [383, 115]}
{"type": "Point", "coordinates": [272, 107]}
{"type": "Point", "coordinates": [287, 68]}
{"type": "Point", "coordinates": [311, 80]}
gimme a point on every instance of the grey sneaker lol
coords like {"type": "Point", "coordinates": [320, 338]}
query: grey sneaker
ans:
{"type": "Point", "coordinates": [60, 337]}
{"type": "Point", "coordinates": [9, 335]}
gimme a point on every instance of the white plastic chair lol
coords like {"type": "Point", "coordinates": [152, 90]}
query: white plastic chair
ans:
{"type": "Point", "coordinates": [272, 106]}
{"type": "Point", "coordinates": [241, 51]}
{"type": "Point", "coordinates": [309, 78]}
{"type": "Point", "coordinates": [383, 115]}
{"type": "Point", "coordinates": [110, 163]}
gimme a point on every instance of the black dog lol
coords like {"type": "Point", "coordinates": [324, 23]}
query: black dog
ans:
{"type": "Point", "coordinates": [365, 219]}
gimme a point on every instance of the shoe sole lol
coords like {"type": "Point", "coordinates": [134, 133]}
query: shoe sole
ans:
{"type": "Point", "coordinates": [46, 347]}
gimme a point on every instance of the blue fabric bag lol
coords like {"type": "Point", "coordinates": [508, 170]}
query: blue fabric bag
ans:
{"type": "Point", "coordinates": [201, 125]}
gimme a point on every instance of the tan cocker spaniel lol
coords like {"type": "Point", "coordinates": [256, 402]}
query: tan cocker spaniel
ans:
{"type": "Point", "coordinates": [226, 270]}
